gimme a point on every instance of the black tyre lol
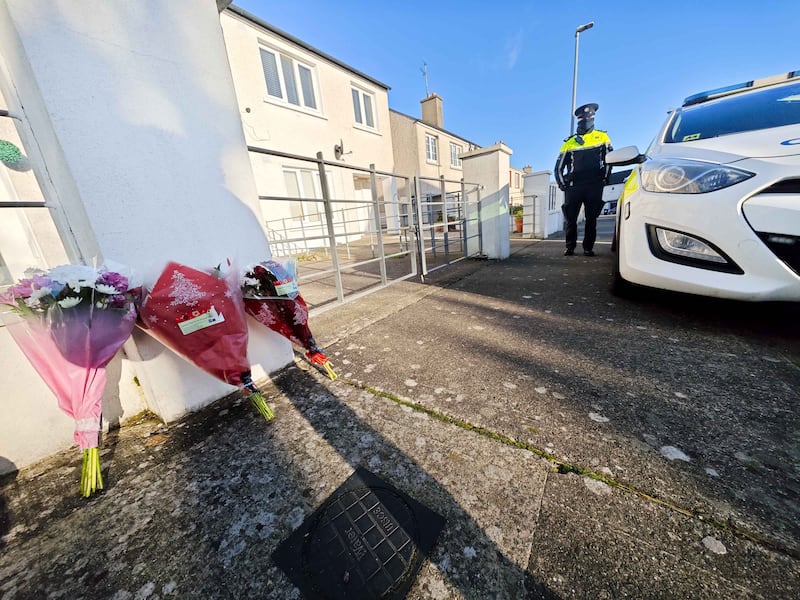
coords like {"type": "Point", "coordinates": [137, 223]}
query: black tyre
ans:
{"type": "Point", "coordinates": [619, 287]}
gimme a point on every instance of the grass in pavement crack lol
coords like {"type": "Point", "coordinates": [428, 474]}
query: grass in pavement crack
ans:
{"type": "Point", "coordinates": [564, 468]}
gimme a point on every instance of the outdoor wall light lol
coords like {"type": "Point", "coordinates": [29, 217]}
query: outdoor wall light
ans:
{"type": "Point", "coordinates": [338, 150]}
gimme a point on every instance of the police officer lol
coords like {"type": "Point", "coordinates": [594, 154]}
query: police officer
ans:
{"type": "Point", "coordinates": [581, 172]}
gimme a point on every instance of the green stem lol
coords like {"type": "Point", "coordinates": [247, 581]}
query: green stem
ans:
{"type": "Point", "coordinates": [257, 399]}
{"type": "Point", "coordinates": [91, 476]}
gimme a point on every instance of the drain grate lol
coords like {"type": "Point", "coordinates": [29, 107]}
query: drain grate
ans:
{"type": "Point", "coordinates": [367, 541]}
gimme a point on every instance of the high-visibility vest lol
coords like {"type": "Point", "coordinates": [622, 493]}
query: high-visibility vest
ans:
{"type": "Point", "coordinates": [582, 157]}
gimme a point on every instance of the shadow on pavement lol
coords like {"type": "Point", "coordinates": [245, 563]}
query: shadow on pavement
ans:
{"type": "Point", "coordinates": [10, 473]}
{"type": "Point", "coordinates": [361, 445]}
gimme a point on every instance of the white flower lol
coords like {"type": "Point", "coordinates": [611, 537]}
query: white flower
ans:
{"type": "Point", "coordinates": [249, 281]}
{"type": "Point", "coordinates": [40, 293]}
{"type": "Point", "coordinates": [34, 300]}
{"type": "Point", "coordinates": [73, 274]}
{"type": "Point", "coordinates": [31, 302]}
{"type": "Point", "coordinates": [104, 288]}
{"type": "Point", "coordinates": [69, 302]}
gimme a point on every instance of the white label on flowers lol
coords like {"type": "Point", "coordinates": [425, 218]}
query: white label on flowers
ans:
{"type": "Point", "coordinates": [201, 321]}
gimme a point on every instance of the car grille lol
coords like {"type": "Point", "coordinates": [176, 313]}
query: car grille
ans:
{"type": "Point", "coordinates": [785, 247]}
{"type": "Point", "coordinates": [787, 186]}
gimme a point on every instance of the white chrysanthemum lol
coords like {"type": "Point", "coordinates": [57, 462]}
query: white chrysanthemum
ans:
{"type": "Point", "coordinates": [34, 300]}
{"type": "Point", "coordinates": [72, 274]}
{"type": "Point", "coordinates": [104, 288]}
{"type": "Point", "coordinates": [69, 302]}
{"type": "Point", "coordinates": [40, 293]}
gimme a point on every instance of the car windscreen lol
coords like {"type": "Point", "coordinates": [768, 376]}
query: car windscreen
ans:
{"type": "Point", "coordinates": [763, 109]}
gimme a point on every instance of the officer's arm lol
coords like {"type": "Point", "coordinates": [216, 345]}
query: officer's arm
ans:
{"type": "Point", "coordinates": [559, 171]}
{"type": "Point", "coordinates": [609, 148]}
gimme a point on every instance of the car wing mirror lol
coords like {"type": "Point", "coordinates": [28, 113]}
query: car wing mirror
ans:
{"type": "Point", "coordinates": [629, 155]}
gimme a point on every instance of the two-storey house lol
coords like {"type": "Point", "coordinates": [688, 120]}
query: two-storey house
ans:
{"type": "Point", "coordinates": [424, 148]}
{"type": "Point", "coordinates": [297, 101]}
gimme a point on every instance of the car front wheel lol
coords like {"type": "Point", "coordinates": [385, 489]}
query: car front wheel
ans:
{"type": "Point", "coordinates": [619, 287]}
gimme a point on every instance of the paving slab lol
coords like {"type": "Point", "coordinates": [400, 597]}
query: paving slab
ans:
{"type": "Point", "coordinates": [491, 394]}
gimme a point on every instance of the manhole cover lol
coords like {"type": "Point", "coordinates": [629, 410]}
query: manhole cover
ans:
{"type": "Point", "coordinates": [367, 541]}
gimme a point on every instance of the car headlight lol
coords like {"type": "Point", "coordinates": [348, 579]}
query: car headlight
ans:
{"type": "Point", "coordinates": [679, 176]}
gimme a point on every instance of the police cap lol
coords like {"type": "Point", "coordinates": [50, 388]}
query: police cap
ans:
{"type": "Point", "coordinates": [586, 111]}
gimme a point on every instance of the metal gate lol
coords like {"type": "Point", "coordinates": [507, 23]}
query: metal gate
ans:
{"type": "Point", "coordinates": [448, 221]}
{"type": "Point", "coordinates": [354, 230]}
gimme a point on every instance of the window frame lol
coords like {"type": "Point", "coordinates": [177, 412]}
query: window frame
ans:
{"type": "Point", "coordinates": [299, 83]}
{"type": "Point", "coordinates": [455, 159]}
{"type": "Point", "coordinates": [431, 149]}
{"type": "Point", "coordinates": [360, 116]}
{"type": "Point", "coordinates": [307, 216]}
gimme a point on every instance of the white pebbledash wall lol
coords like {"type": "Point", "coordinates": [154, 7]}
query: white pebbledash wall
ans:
{"type": "Point", "coordinates": [138, 140]}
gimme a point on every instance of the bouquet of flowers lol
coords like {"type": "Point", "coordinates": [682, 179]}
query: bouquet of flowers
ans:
{"type": "Point", "coordinates": [272, 298]}
{"type": "Point", "coordinates": [200, 316]}
{"type": "Point", "coordinates": [69, 322]}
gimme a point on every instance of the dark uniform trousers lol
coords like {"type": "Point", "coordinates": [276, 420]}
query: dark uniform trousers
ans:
{"type": "Point", "coordinates": [590, 196]}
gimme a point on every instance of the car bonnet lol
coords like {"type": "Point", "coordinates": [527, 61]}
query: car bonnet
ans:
{"type": "Point", "coordinates": [765, 143]}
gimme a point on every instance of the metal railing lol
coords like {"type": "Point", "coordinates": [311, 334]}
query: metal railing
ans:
{"type": "Point", "coordinates": [353, 245]}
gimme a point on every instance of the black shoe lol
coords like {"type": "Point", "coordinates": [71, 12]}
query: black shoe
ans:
{"type": "Point", "coordinates": [588, 253]}
{"type": "Point", "coordinates": [569, 252]}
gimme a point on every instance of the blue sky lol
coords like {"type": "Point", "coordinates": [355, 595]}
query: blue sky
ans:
{"type": "Point", "coordinates": [504, 69]}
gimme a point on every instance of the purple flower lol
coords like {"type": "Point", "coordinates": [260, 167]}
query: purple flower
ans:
{"type": "Point", "coordinates": [8, 297]}
{"type": "Point", "coordinates": [115, 280]}
{"type": "Point", "coordinates": [117, 301]}
{"type": "Point", "coordinates": [22, 290]}
{"type": "Point", "coordinates": [41, 281]}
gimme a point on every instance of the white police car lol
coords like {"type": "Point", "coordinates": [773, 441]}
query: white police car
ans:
{"type": "Point", "coordinates": [713, 206]}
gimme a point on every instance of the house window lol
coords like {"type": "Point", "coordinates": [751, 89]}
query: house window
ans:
{"type": "Point", "coordinates": [516, 180]}
{"type": "Point", "coordinates": [455, 155]}
{"type": "Point", "coordinates": [431, 149]}
{"type": "Point", "coordinates": [288, 79]}
{"type": "Point", "coordinates": [363, 111]}
{"type": "Point", "coordinates": [304, 185]}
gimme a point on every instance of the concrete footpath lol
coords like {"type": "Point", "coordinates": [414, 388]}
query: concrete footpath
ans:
{"type": "Point", "coordinates": [457, 392]}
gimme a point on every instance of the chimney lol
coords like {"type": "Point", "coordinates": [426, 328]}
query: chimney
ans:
{"type": "Point", "coordinates": [527, 169]}
{"type": "Point", "coordinates": [432, 111]}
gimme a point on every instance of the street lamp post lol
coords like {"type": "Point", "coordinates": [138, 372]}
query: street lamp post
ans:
{"type": "Point", "coordinates": [575, 75]}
